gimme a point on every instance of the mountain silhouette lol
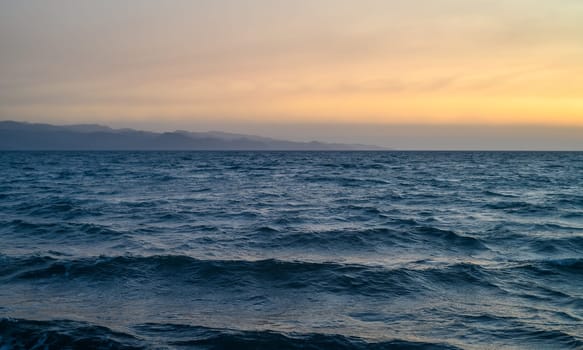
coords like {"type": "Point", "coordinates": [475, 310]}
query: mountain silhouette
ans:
{"type": "Point", "coordinates": [91, 137]}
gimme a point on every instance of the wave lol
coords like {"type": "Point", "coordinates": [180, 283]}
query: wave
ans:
{"type": "Point", "coordinates": [57, 206]}
{"type": "Point", "coordinates": [343, 180]}
{"type": "Point", "coordinates": [502, 194]}
{"type": "Point", "coordinates": [551, 246]}
{"type": "Point", "coordinates": [521, 207]}
{"type": "Point", "coordinates": [57, 230]}
{"type": "Point", "coordinates": [450, 239]}
{"type": "Point", "coordinates": [61, 334]}
{"type": "Point", "coordinates": [550, 240]}
{"type": "Point", "coordinates": [375, 238]}
{"type": "Point", "coordinates": [572, 267]}
{"type": "Point", "coordinates": [536, 338]}
{"type": "Point", "coordinates": [184, 271]}
{"type": "Point", "coordinates": [210, 338]}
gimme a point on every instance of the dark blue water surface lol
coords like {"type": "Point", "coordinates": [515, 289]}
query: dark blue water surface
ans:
{"type": "Point", "coordinates": [291, 250]}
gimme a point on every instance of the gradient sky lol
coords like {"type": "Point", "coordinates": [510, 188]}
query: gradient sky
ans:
{"type": "Point", "coordinates": [245, 64]}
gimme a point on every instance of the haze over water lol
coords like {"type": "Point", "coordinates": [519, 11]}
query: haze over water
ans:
{"type": "Point", "coordinates": [291, 250]}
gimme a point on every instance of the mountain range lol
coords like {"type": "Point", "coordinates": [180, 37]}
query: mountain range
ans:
{"type": "Point", "coordinates": [92, 137]}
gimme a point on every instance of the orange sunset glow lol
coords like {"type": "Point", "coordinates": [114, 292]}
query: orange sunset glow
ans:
{"type": "Point", "coordinates": [450, 62]}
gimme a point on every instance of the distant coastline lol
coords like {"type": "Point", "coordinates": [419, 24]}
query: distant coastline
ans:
{"type": "Point", "coordinates": [93, 137]}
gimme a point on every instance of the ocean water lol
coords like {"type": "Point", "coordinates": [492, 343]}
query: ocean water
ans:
{"type": "Point", "coordinates": [291, 250]}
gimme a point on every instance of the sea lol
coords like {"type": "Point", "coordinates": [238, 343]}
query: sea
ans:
{"type": "Point", "coordinates": [291, 250]}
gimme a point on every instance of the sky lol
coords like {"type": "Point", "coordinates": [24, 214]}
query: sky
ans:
{"type": "Point", "coordinates": [408, 74]}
